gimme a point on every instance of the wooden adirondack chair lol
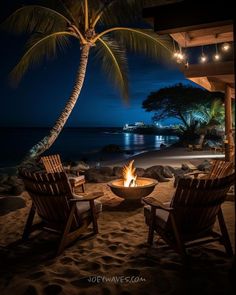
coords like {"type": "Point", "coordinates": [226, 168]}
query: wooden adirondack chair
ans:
{"type": "Point", "coordinates": [60, 210]}
{"type": "Point", "coordinates": [53, 164]}
{"type": "Point", "coordinates": [191, 214]}
{"type": "Point", "coordinates": [219, 168]}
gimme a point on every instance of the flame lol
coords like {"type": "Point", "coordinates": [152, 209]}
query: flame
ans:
{"type": "Point", "coordinates": [129, 175]}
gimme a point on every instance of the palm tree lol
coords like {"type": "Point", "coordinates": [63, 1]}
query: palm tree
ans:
{"type": "Point", "coordinates": [212, 116]}
{"type": "Point", "coordinates": [97, 25]}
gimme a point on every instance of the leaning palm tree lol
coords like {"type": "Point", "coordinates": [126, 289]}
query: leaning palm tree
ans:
{"type": "Point", "coordinates": [103, 26]}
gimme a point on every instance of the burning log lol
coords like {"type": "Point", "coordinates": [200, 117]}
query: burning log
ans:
{"type": "Point", "coordinates": [129, 175]}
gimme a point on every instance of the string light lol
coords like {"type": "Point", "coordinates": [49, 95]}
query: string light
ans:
{"type": "Point", "coordinates": [175, 54]}
{"type": "Point", "coordinates": [217, 55]}
{"type": "Point", "coordinates": [203, 57]}
{"type": "Point", "coordinates": [225, 47]}
{"type": "Point", "coordinates": [180, 56]}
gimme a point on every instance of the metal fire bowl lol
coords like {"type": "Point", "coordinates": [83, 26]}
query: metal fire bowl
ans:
{"type": "Point", "coordinates": [144, 187]}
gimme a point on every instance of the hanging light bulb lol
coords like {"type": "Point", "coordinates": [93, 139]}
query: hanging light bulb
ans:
{"type": "Point", "coordinates": [217, 55]}
{"type": "Point", "coordinates": [225, 47]}
{"type": "Point", "coordinates": [181, 56]}
{"type": "Point", "coordinates": [203, 57]}
{"type": "Point", "coordinates": [175, 54]}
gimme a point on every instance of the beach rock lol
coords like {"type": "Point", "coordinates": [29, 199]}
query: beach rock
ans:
{"type": "Point", "coordinates": [185, 167]}
{"type": "Point", "coordinates": [166, 172]}
{"type": "Point", "coordinates": [3, 178]}
{"type": "Point", "coordinates": [112, 148]}
{"type": "Point", "coordinates": [161, 178]}
{"type": "Point", "coordinates": [17, 189]}
{"type": "Point", "coordinates": [204, 166]}
{"type": "Point", "coordinates": [11, 203]}
{"type": "Point", "coordinates": [79, 165]}
{"type": "Point", "coordinates": [103, 174]}
{"type": "Point", "coordinates": [118, 171]}
{"type": "Point", "coordinates": [156, 168]}
{"type": "Point", "coordinates": [32, 166]}
{"type": "Point", "coordinates": [156, 173]}
{"type": "Point", "coordinates": [162, 145]}
{"type": "Point", "coordinates": [172, 169]}
{"type": "Point", "coordinates": [9, 171]}
{"type": "Point", "coordinates": [5, 188]}
{"type": "Point", "coordinates": [140, 172]}
{"type": "Point", "coordinates": [17, 185]}
{"type": "Point", "coordinates": [179, 172]}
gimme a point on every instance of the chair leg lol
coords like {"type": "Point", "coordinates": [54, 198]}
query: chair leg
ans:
{"type": "Point", "coordinates": [150, 235]}
{"type": "Point", "coordinates": [151, 226]}
{"type": "Point", "coordinates": [29, 222]}
{"type": "Point", "coordinates": [83, 188]}
{"type": "Point", "coordinates": [225, 235]}
{"type": "Point", "coordinates": [66, 230]}
{"type": "Point", "coordinates": [94, 217]}
{"type": "Point", "coordinates": [179, 242]}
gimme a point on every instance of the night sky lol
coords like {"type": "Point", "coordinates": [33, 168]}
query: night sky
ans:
{"type": "Point", "coordinates": [43, 92]}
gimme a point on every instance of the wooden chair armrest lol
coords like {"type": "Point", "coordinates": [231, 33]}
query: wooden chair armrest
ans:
{"type": "Point", "coordinates": [195, 173]}
{"type": "Point", "coordinates": [67, 170]}
{"type": "Point", "coordinates": [88, 197]}
{"type": "Point", "coordinates": [156, 204]}
{"type": "Point", "coordinates": [76, 172]}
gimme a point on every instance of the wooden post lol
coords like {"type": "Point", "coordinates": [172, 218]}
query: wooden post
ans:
{"type": "Point", "coordinates": [229, 141]}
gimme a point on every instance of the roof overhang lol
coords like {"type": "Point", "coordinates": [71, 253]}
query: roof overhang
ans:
{"type": "Point", "coordinates": [213, 77]}
{"type": "Point", "coordinates": [195, 23]}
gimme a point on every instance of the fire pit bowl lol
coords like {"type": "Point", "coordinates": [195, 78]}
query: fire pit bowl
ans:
{"type": "Point", "coordinates": [144, 187]}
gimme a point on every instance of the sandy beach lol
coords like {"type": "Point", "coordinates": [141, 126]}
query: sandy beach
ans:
{"type": "Point", "coordinates": [173, 156]}
{"type": "Point", "coordinates": [119, 252]}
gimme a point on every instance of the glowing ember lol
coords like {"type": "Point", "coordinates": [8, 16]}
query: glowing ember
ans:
{"type": "Point", "coordinates": [129, 175]}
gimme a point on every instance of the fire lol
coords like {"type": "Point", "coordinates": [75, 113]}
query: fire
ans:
{"type": "Point", "coordinates": [129, 175]}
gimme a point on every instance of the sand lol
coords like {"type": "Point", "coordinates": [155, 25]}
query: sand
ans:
{"type": "Point", "coordinates": [173, 156]}
{"type": "Point", "coordinates": [119, 252]}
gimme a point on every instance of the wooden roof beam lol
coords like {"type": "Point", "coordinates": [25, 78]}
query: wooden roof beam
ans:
{"type": "Point", "coordinates": [189, 15]}
{"type": "Point", "coordinates": [210, 69]}
{"type": "Point", "coordinates": [188, 39]}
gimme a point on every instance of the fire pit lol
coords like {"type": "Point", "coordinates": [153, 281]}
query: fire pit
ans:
{"type": "Point", "coordinates": [131, 187]}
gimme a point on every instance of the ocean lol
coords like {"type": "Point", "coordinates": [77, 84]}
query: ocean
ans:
{"type": "Point", "coordinates": [75, 144]}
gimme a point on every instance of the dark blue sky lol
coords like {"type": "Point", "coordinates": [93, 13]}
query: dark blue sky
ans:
{"type": "Point", "coordinates": [42, 94]}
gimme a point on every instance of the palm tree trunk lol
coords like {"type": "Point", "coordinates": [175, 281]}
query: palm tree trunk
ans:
{"type": "Point", "coordinates": [48, 140]}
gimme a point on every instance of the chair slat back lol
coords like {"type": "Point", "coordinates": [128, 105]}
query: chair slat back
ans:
{"type": "Point", "coordinates": [52, 163]}
{"type": "Point", "coordinates": [220, 169]}
{"type": "Point", "coordinates": [197, 202]}
{"type": "Point", "coordinates": [50, 193]}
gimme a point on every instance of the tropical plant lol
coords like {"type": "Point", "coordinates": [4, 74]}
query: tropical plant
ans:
{"type": "Point", "coordinates": [104, 26]}
{"type": "Point", "coordinates": [212, 116]}
{"type": "Point", "coordinates": [183, 102]}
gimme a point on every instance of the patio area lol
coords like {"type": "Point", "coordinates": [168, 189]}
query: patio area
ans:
{"type": "Point", "coordinates": [116, 261]}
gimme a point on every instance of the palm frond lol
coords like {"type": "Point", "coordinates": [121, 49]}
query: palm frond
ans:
{"type": "Point", "coordinates": [35, 18]}
{"type": "Point", "coordinates": [75, 10]}
{"type": "Point", "coordinates": [144, 41]}
{"type": "Point", "coordinates": [38, 48]}
{"type": "Point", "coordinates": [114, 63]}
{"type": "Point", "coordinates": [121, 12]}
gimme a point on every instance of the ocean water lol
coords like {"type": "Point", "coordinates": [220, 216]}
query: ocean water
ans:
{"type": "Point", "coordinates": [77, 143]}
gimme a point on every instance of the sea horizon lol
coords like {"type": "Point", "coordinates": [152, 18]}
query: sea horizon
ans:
{"type": "Point", "coordinates": [78, 143]}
